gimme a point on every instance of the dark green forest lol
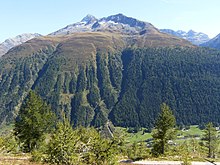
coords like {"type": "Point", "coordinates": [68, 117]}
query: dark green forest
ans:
{"type": "Point", "coordinates": [126, 87]}
{"type": "Point", "coordinates": [186, 79]}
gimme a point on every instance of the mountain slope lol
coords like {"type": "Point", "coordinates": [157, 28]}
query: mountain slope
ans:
{"type": "Point", "coordinates": [68, 59]}
{"type": "Point", "coordinates": [213, 43]}
{"type": "Point", "coordinates": [192, 36]}
{"type": "Point", "coordinates": [112, 74]}
{"type": "Point", "coordinates": [93, 77]}
{"type": "Point", "coordinates": [12, 42]}
{"type": "Point", "coordinates": [187, 79]}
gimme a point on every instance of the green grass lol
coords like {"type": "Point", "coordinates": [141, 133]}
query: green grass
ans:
{"type": "Point", "coordinates": [194, 130]}
{"type": "Point", "coordinates": [140, 137]}
{"type": "Point", "coordinates": [135, 137]}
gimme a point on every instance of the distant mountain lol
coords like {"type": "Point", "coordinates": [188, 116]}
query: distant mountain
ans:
{"type": "Point", "coordinates": [12, 42]}
{"type": "Point", "coordinates": [134, 31]}
{"type": "Point", "coordinates": [115, 23]}
{"type": "Point", "coordinates": [196, 38]}
{"type": "Point", "coordinates": [213, 43]}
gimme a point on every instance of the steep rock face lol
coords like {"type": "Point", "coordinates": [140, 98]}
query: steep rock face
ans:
{"type": "Point", "coordinates": [213, 43]}
{"type": "Point", "coordinates": [12, 42]}
{"type": "Point", "coordinates": [196, 38]}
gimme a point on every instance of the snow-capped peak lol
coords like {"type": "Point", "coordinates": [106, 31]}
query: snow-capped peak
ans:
{"type": "Point", "coordinates": [191, 32]}
{"type": "Point", "coordinates": [12, 42]}
{"type": "Point", "coordinates": [89, 19]}
{"type": "Point", "coordinates": [120, 18]}
{"type": "Point", "coordinates": [196, 38]}
{"type": "Point", "coordinates": [118, 22]}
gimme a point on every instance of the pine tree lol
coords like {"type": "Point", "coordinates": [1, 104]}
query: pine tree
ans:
{"type": "Point", "coordinates": [62, 148]}
{"type": "Point", "coordinates": [164, 129]}
{"type": "Point", "coordinates": [211, 139]}
{"type": "Point", "coordinates": [34, 119]}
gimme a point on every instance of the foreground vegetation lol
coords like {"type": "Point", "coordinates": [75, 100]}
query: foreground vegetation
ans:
{"type": "Point", "coordinates": [39, 136]}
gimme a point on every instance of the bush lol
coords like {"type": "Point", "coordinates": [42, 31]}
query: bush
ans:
{"type": "Point", "coordinates": [138, 151]}
{"type": "Point", "coordinates": [39, 154]}
{"type": "Point", "coordinates": [80, 146]}
{"type": "Point", "coordinates": [61, 148]}
{"type": "Point", "coordinates": [9, 144]}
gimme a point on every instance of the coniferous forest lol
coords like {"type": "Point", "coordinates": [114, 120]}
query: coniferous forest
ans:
{"type": "Point", "coordinates": [125, 87]}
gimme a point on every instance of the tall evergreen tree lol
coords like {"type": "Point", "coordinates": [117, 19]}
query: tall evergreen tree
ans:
{"type": "Point", "coordinates": [34, 119]}
{"type": "Point", "coordinates": [164, 129]}
{"type": "Point", "coordinates": [211, 139]}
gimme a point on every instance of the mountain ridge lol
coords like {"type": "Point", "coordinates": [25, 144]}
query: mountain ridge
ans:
{"type": "Point", "coordinates": [114, 23]}
{"type": "Point", "coordinates": [12, 42]}
{"type": "Point", "coordinates": [213, 43]}
{"type": "Point", "coordinates": [118, 22]}
{"type": "Point", "coordinates": [196, 38]}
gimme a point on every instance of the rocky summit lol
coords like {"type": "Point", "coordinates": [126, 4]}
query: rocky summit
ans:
{"type": "Point", "coordinates": [115, 23]}
{"type": "Point", "coordinates": [12, 42]}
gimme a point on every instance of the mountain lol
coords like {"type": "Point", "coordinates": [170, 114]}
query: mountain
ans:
{"type": "Point", "coordinates": [213, 43]}
{"type": "Point", "coordinates": [114, 23]}
{"type": "Point", "coordinates": [133, 31]}
{"type": "Point", "coordinates": [121, 72]}
{"type": "Point", "coordinates": [85, 25]}
{"type": "Point", "coordinates": [12, 42]}
{"type": "Point", "coordinates": [196, 38]}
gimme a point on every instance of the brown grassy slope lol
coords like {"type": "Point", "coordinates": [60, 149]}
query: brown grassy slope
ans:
{"type": "Point", "coordinates": [78, 48]}
{"type": "Point", "coordinates": [87, 42]}
{"type": "Point", "coordinates": [75, 48]}
{"type": "Point", "coordinates": [157, 39]}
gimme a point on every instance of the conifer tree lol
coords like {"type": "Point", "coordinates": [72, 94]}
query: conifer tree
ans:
{"type": "Point", "coordinates": [211, 139]}
{"type": "Point", "coordinates": [34, 119]}
{"type": "Point", "coordinates": [62, 148]}
{"type": "Point", "coordinates": [164, 129]}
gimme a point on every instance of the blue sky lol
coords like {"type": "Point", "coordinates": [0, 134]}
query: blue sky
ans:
{"type": "Point", "coordinates": [46, 16]}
